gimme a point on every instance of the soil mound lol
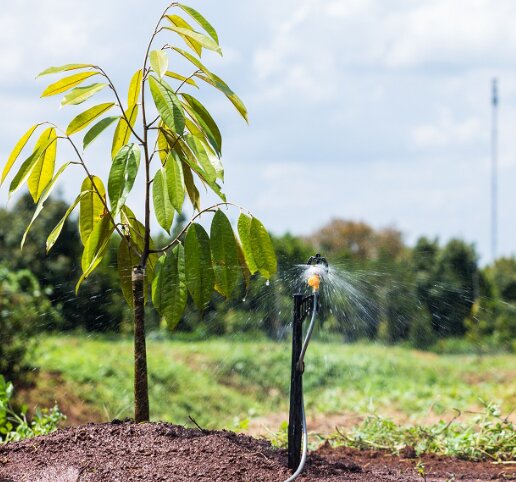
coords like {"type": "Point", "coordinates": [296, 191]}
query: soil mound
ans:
{"type": "Point", "coordinates": [154, 452]}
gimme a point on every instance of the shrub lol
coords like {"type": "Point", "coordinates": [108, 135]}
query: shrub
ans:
{"type": "Point", "coordinates": [16, 426]}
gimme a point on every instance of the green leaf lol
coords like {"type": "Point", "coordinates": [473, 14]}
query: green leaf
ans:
{"type": "Point", "coordinates": [180, 22]}
{"type": "Point", "coordinates": [219, 84]}
{"type": "Point", "coordinates": [91, 208]}
{"type": "Point", "coordinates": [174, 179]}
{"type": "Point", "coordinates": [243, 266]}
{"type": "Point", "coordinates": [42, 199]}
{"type": "Point", "coordinates": [159, 62]}
{"type": "Point", "coordinates": [188, 157]}
{"type": "Point", "coordinates": [199, 270]}
{"type": "Point", "coordinates": [134, 88]}
{"type": "Point", "coordinates": [52, 237]}
{"type": "Point", "coordinates": [126, 261]}
{"type": "Point", "coordinates": [64, 68]}
{"type": "Point", "coordinates": [192, 60]}
{"type": "Point", "coordinates": [98, 129]}
{"type": "Point", "coordinates": [224, 254]}
{"type": "Point", "coordinates": [200, 153]}
{"type": "Point", "coordinates": [205, 121]}
{"type": "Point", "coordinates": [168, 105]}
{"type": "Point", "coordinates": [87, 117]}
{"type": "Point", "coordinates": [17, 150]}
{"type": "Point", "coordinates": [81, 94]}
{"type": "Point", "coordinates": [169, 292]}
{"type": "Point", "coordinates": [123, 130]}
{"type": "Point", "coordinates": [263, 250]}
{"type": "Point", "coordinates": [43, 170]}
{"type": "Point", "coordinates": [122, 175]}
{"type": "Point", "coordinates": [244, 232]}
{"type": "Point", "coordinates": [191, 188]}
{"type": "Point", "coordinates": [181, 78]}
{"type": "Point", "coordinates": [43, 143]}
{"type": "Point", "coordinates": [95, 248]}
{"type": "Point", "coordinates": [201, 21]}
{"type": "Point", "coordinates": [162, 205]}
{"type": "Point", "coordinates": [205, 41]}
{"type": "Point", "coordinates": [67, 83]}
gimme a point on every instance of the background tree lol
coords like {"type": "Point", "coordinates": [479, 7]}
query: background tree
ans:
{"type": "Point", "coordinates": [177, 146]}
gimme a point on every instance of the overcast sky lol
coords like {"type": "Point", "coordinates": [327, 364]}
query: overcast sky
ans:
{"type": "Point", "coordinates": [369, 110]}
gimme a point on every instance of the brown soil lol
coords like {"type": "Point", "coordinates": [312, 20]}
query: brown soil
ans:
{"type": "Point", "coordinates": [124, 451]}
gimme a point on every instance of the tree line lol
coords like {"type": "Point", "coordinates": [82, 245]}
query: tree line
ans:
{"type": "Point", "coordinates": [419, 294]}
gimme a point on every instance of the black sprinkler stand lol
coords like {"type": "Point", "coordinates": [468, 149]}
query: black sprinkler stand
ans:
{"type": "Point", "coordinates": [302, 308]}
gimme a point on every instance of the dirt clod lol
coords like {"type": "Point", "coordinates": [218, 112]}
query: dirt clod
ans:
{"type": "Point", "coordinates": [154, 452]}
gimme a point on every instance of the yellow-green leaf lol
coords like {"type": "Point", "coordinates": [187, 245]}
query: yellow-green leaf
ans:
{"type": "Point", "coordinates": [67, 83]}
{"type": "Point", "coordinates": [180, 22]}
{"type": "Point", "coordinates": [43, 170]}
{"type": "Point", "coordinates": [219, 84]}
{"type": "Point", "coordinates": [64, 68]}
{"type": "Point", "coordinates": [204, 40]}
{"type": "Point", "coordinates": [209, 127]}
{"type": "Point", "coordinates": [181, 78]}
{"type": "Point", "coordinates": [17, 150]}
{"type": "Point", "coordinates": [134, 88]}
{"type": "Point", "coordinates": [91, 207]}
{"type": "Point", "coordinates": [191, 188]}
{"type": "Point", "coordinates": [162, 206]}
{"type": "Point", "coordinates": [159, 62]}
{"type": "Point", "coordinates": [123, 130]}
{"type": "Point", "coordinates": [87, 117]}
{"type": "Point", "coordinates": [43, 143]}
{"type": "Point", "coordinates": [95, 248]}
{"type": "Point", "coordinates": [52, 237]}
{"type": "Point", "coordinates": [201, 21]}
{"type": "Point", "coordinates": [81, 94]}
{"type": "Point", "coordinates": [42, 199]}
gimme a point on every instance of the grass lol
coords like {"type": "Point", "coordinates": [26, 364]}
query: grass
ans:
{"type": "Point", "coordinates": [222, 383]}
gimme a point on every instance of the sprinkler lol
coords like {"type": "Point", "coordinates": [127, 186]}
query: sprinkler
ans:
{"type": "Point", "coordinates": [304, 306]}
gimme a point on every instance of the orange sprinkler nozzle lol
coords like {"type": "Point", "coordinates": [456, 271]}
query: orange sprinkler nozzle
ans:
{"type": "Point", "coordinates": [314, 281]}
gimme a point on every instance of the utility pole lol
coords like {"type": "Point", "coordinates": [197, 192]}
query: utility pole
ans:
{"type": "Point", "coordinates": [494, 169]}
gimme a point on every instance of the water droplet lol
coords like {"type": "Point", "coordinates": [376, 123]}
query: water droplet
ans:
{"type": "Point", "coordinates": [267, 283]}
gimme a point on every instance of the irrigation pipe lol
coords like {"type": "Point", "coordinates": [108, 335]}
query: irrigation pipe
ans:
{"type": "Point", "coordinates": [300, 366]}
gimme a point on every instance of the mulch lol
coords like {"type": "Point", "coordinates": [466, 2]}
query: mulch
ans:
{"type": "Point", "coordinates": [154, 452]}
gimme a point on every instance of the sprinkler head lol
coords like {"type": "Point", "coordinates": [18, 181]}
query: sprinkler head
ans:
{"type": "Point", "coordinates": [318, 260]}
{"type": "Point", "coordinates": [320, 268]}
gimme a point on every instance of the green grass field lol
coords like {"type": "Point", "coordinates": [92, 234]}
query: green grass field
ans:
{"type": "Point", "coordinates": [223, 383]}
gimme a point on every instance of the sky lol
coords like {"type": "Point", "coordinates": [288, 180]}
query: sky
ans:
{"type": "Point", "coordinates": [367, 110]}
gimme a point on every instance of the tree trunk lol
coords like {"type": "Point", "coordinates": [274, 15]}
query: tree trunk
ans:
{"type": "Point", "coordinates": [141, 390]}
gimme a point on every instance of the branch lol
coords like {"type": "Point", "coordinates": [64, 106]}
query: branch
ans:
{"type": "Point", "coordinates": [112, 87]}
{"type": "Point", "coordinates": [199, 214]}
{"type": "Point", "coordinates": [96, 190]}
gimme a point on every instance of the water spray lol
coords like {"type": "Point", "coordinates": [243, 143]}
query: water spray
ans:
{"type": "Point", "coordinates": [304, 306]}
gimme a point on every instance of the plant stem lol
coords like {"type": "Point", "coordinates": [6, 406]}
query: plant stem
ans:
{"type": "Point", "coordinates": [141, 389]}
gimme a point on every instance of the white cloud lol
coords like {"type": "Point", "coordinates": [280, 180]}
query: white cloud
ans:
{"type": "Point", "coordinates": [447, 131]}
